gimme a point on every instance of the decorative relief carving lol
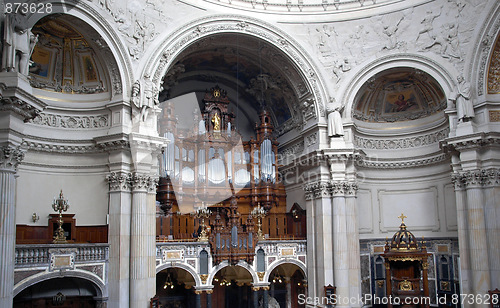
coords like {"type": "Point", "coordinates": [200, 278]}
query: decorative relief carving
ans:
{"type": "Point", "coordinates": [494, 70]}
{"type": "Point", "coordinates": [18, 106]}
{"type": "Point", "coordinates": [402, 143]}
{"type": "Point", "coordinates": [94, 269]}
{"type": "Point", "coordinates": [320, 189]}
{"type": "Point", "coordinates": [311, 139]}
{"type": "Point", "coordinates": [119, 181]}
{"type": "Point", "coordinates": [494, 115]}
{"type": "Point", "coordinates": [143, 182]}
{"type": "Point", "coordinates": [10, 158]}
{"type": "Point", "coordinates": [74, 122]}
{"type": "Point", "coordinates": [476, 178]}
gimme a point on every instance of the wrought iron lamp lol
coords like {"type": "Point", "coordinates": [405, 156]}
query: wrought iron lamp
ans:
{"type": "Point", "coordinates": [259, 212]}
{"type": "Point", "coordinates": [60, 205]}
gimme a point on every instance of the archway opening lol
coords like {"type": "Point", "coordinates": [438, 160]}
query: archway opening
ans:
{"type": "Point", "coordinates": [175, 288]}
{"type": "Point", "coordinates": [287, 281]}
{"type": "Point", "coordinates": [232, 288]}
{"type": "Point", "coordinates": [59, 292]}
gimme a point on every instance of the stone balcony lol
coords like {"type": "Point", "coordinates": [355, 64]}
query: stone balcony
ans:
{"type": "Point", "coordinates": [38, 262]}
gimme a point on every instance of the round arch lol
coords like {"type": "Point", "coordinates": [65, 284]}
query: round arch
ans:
{"type": "Point", "coordinates": [101, 288]}
{"type": "Point", "coordinates": [478, 60]}
{"type": "Point", "coordinates": [90, 16]}
{"type": "Point", "coordinates": [185, 267]}
{"type": "Point", "coordinates": [275, 264]}
{"type": "Point", "coordinates": [224, 264]}
{"type": "Point", "coordinates": [442, 73]}
{"type": "Point", "coordinates": [162, 58]}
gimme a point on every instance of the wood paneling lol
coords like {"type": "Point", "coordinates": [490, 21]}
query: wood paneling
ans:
{"type": "Point", "coordinates": [40, 234]}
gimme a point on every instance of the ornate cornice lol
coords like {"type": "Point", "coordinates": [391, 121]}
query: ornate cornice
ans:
{"type": "Point", "coordinates": [10, 157]}
{"type": "Point", "coordinates": [476, 178]}
{"type": "Point", "coordinates": [98, 145]}
{"type": "Point", "coordinates": [17, 105]}
{"type": "Point", "coordinates": [469, 142]}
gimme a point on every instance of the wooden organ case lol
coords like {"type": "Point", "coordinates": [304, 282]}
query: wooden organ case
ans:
{"type": "Point", "coordinates": [209, 166]}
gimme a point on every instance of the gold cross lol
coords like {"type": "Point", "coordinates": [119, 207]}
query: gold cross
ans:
{"type": "Point", "coordinates": [403, 217]}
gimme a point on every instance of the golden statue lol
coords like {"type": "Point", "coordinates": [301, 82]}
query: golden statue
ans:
{"type": "Point", "coordinates": [216, 121]}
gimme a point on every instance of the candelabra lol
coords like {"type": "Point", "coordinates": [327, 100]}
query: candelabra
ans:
{"type": "Point", "coordinates": [259, 212]}
{"type": "Point", "coordinates": [202, 213]}
{"type": "Point", "coordinates": [60, 205]}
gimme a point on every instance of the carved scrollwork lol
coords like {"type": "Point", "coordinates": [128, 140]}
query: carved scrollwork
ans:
{"type": "Point", "coordinates": [476, 178]}
{"type": "Point", "coordinates": [118, 181]}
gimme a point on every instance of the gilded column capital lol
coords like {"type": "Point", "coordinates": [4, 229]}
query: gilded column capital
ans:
{"type": "Point", "coordinates": [10, 158]}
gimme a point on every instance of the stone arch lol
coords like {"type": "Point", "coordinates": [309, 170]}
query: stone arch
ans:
{"type": "Point", "coordinates": [161, 59]}
{"type": "Point", "coordinates": [185, 267]}
{"type": "Point", "coordinates": [479, 59]}
{"type": "Point", "coordinates": [275, 264]}
{"type": "Point", "coordinates": [95, 20]}
{"type": "Point", "coordinates": [101, 289]}
{"type": "Point", "coordinates": [443, 73]}
{"type": "Point", "coordinates": [224, 264]}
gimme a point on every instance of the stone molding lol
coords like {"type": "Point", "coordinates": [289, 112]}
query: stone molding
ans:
{"type": "Point", "coordinates": [72, 121]}
{"type": "Point", "coordinates": [126, 182]}
{"type": "Point", "coordinates": [476, 178]}
{"type": "Point", "coordinates": [410, 163]}
{"type": "Point", "coordinates": [401, 143]}
{"type": "Point", "coordinates": [323, 189]}
{"type": "Point", "coordinates": [17, 105]}
{"type": "Point", "coordinates": [98, 145]}
{"type": "Point", "coordinates": [10, 158]}
{"type": "Point", "coordinates": [473, 141]}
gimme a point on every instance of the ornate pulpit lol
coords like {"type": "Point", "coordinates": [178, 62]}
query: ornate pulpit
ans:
{"type": "Point", "coordinates": [406, 268]}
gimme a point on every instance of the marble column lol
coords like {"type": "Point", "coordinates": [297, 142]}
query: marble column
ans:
{"type": "Point", "coordinates": [463, 240]}
{"type": "Point", "coordinates": [119, 239]}
{"type": "Point", "coordinates": [353, 241]}
{"type": "Point", "coordinates": [265, 299]}
{"type": "Point", "coordinates": [197, 295]}
{"type": "Point", "coordinates": [10, 157]}
{"type": "Point", "coordinates": [142, 242]}
{"type": "Point", "coordinates": [209, 298]}
{"type": "Point", "coordinates": [255, 291]}
{"type": "Point", "coordinates": [492, 222]}
{"type": "Point", "coordinates": [478, 242]}
{"type": "Point", "coordinates": [319, 237]}
{"type": "Point", "coordinates": [340, 248]}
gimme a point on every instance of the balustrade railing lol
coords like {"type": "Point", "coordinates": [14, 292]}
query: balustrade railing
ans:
{"type": "Point", "coordinates": [40, 253]}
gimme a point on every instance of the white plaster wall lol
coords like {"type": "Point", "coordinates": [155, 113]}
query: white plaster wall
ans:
{"type": "Point", "coordinates": [86, 193]}
{"type": "Point", "coordinates": [428, 203]}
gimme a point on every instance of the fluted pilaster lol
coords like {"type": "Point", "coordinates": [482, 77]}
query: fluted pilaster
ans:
{"type": "Point", "coordinates": [10, 157]}
{"type": "Point", "coordinates": [119, 238]}
{"type": "Point", "coordinates": [142, 241]}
